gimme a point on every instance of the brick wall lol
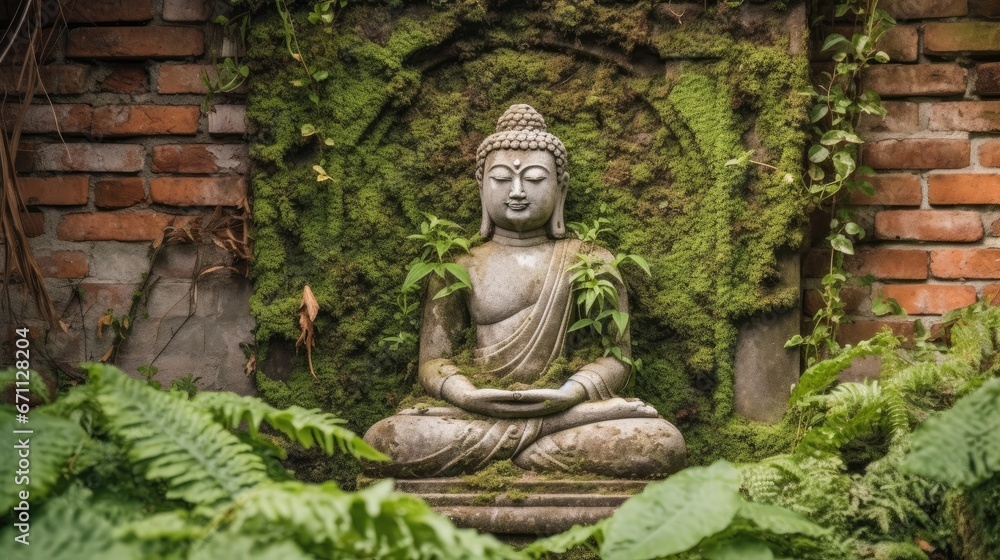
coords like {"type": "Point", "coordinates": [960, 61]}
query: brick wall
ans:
{"type": "Point", "coordinates": [137, 155]}
{"type": "Point", "coordinates": [933, 226]}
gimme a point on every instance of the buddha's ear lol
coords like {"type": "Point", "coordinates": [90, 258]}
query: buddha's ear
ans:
{"type": "Point", "coordinates": [557, 225]}
{"type": "Point", "coordinates": [486, 227]}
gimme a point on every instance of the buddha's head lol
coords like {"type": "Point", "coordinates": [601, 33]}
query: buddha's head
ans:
{"type": "Point", "coordinates": [521, 170]}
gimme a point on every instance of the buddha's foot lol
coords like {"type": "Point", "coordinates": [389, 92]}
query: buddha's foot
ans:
{"type": "Point", "coordinates": [623, 448]}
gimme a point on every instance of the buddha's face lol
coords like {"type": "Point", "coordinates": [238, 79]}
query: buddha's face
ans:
{"type": "Point", "coordinates": [520, 188]}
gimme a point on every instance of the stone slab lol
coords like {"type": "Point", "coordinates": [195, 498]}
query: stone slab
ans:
{"type": "Point", "coordinates": [764, 370]}
{"type": "Point", "coordinates": [541, 506]}
{"type": "Point", "coordinates": [524, 520]}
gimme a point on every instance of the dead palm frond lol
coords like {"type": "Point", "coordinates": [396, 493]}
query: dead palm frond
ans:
{"type": "Point", "coordinates": [28, 39]}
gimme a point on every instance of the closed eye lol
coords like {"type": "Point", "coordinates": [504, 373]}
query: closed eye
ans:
{"type": "Point", "coordinates": [501, 177]}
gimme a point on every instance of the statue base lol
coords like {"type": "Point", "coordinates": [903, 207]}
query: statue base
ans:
{"type": "Point", "coordinates": [530, 507]}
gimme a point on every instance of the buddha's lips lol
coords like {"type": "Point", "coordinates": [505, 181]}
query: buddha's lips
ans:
{"type": "Point", "coordinates": [518, 205]}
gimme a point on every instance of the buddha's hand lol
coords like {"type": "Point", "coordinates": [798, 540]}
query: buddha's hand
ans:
{"type": "Point", "coordinates": [513, 404]}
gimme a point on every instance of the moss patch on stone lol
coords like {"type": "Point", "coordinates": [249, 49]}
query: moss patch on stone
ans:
{"type": "Point", "coordinates": [650, 111]}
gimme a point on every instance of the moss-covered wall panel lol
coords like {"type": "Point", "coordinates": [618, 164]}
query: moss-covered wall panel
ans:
{"type": "Point", "coordinates": [650, 108]}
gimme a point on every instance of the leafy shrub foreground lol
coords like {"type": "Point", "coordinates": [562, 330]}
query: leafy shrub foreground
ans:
{"type": "Point", "coordinates": [122, 470]}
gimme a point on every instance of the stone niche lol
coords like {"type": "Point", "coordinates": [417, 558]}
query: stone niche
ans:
{"type": "Point", "coordinates": [683, 123]}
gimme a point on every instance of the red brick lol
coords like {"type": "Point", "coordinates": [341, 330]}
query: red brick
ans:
{"type": "Point", "coordinates": [143, 225]}
{"type": "Point", "coordinates": [930, 299]}
{"type": "Point", "coordinates": [92, 11]}
{"type": "Point", "coordinates": [57, 79]}
{"type": "Point", "coordinates": [119, 193]}
{"type": "Point", "coordinates": [135, 42]}
{"type": "Point", "coordinates": [198, 191]}
{"type": "Point", "coordinates": [115, 158]}
{"type": "Point", "coordinates": [991, 293]}
{"type": "Point", "coordinates": [904, 80]}
{"type": "Point", "coordinates": [917, 153]}
{"type": "Point", "coordinates": [184, 78]}
{"type": "Point", "coordinates": [186, 10]}
{"type": "Point", "coordinates": [33, 223]}
{"type": "Point", "coordinates": [929, 225]}
{"type": "Point", "coordinates": [988, 78]}
{"type": "Point", "coordinates": [970, 116]}
{"type": "Point", "coordinates": [973, 37]}
{"type": "Point", "coordinates": [884, 264]}
{"type": "Point", "coordinates": [852, 297]}
{"type": "Point", "coordinates": [989, 153]}
{"type": "Point", "coordinates": [63, 264]}
{"type": "Point", "coordinates": [39, 119]}
{"type": "Point", "coordinates": [921, 9]}
{"type": "Point", "coordinates": [888, 264]}
{"type": "Point", "coordinates": [963, 188]}
{"type": "Point", "coordinates": [984, 8]}
{"type": "Point", "coordinates": [995, 228]}
{"type": "Point", "coordinates": [900, 43]}
{"type": "Point", "coordinates": [61, 190]}
{"type": "Point", "coordinates": [900, 116]}
{"type": "Point", "coordinates": [965, 263]}
{"type": "Point", "coordinates": [126, 79]}
{"type": "Point", "coordinates": [853, 333]}
{"type": "Point", "coordinates": [895, 189]}
{"type": "Point", "coordinates": [134, 120]}
{"type": "Point", "coordinates": [200, 158]}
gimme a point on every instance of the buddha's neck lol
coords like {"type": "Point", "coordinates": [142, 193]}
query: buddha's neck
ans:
{"type": "Point", "coordinates": [519, 238]}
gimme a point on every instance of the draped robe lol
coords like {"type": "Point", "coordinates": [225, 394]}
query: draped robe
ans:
{"type": "Point", "coordinates": [443, 441]}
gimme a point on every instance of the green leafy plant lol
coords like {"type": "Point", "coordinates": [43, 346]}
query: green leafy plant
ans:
{"type": "Point", "coordinates": [593, 282]}
{"type": "Point", "coordinates": [834, 165]}
{"type": "Point", "coordinates": [696, 511]}
{"type": "Point", "coordinates": [439, 240]}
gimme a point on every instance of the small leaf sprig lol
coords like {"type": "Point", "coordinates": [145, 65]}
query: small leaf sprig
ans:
{"type": "Point", "coordinates": [596, 294]}
{"type": "Point", "coordinates": [440, 239]}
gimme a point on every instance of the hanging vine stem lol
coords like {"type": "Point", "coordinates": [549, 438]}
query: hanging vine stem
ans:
{"type": "Point", "coordinates": [834, 160]}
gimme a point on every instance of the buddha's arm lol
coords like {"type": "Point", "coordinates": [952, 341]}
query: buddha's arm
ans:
{"type": "Point", "coordinates": [605, 377]}
{"type": "Point", "coordinates": [443, 321]}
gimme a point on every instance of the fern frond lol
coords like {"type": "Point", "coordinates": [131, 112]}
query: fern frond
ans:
{"type": "Point", "coordinates": [228, 544]}
{"type": "Point", "coordinates": [51, 447]}
{"type": "Point", "coordinates": [307, 427]}
{"type": "Point", "coordinates": [821, 375]}
{"type": "Point", "coordinates": [374, 523]}
{"type": "Point", "coordinates": [960, 446]}
{"type": "Point", "coordinates": [36, 385]}
{"type": "Point", "coordinates": [172, 440]}
{"type": "Point", "coordinates": [71, 533]}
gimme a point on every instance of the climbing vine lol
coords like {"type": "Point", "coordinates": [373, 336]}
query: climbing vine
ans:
{"type": "Point", "coordinates": [834, 169]}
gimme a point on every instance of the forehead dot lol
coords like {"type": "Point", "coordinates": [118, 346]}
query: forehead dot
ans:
{"type": "Point", "coordinates": [517, 163]}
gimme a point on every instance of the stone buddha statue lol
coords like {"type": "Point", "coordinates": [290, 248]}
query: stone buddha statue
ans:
{"type": "Point", "coordinates": [520, 305]}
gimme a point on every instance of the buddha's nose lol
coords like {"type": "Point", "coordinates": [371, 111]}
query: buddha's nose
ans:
{"type": "Point", "coordinates": [517, 191]}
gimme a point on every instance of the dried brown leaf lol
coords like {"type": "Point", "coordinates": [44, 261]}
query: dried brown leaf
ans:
{"type": "Point", "coordinates": [105, 320]}
{"type": "Point", "coordinates": [308, 311]}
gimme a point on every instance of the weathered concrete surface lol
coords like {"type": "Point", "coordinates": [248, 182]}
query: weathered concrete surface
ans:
{"type": "Point", "coordinates": [209, 344]}
{"type": "Point", "coordinates": [764, 370]}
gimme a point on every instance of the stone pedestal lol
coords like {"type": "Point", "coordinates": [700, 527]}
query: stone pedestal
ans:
{"type": "Point", "coordinates": [523, 507]}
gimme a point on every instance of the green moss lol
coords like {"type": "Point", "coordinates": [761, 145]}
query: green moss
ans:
{"type": "Point", "coordinates": [412, 91]}
{"type": "Point", "coordinates": [494, 478]}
